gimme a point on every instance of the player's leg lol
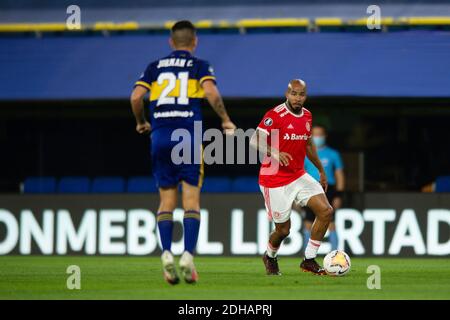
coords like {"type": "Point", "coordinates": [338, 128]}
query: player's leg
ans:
{"type": "Point", "coordinates": [166, 174]}
{"type": "Point", "coordinates": [168, 202]}
{"type": "Point", "coordinates": [311, 194]}
{"type": "Point", "coordinates": [277, 236]}
{"type": "Point", "coordinates": [278, 206]}
{"type": "Point", "coordinates": [323, 211]}
{"type": "Point", "coordinates": [280, 233]}
{"type": "Point", "coordinates": [324, 214]}
{"type": "Point", "coordinates": [191, 225]}
{"type": "Point", "coordinates": [192, 176]}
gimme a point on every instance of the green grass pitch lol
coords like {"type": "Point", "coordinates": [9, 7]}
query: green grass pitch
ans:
{"type": "Point", "coordinates": [38, 277]}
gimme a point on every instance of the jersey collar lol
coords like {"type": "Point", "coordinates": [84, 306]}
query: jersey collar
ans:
{"type": "Point", "coordinates": [295, 115]}
{"type": "Point", "coordinates": [181, 53]}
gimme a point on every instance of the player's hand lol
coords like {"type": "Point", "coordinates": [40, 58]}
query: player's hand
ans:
{"type": "Point", "coordinates": [143, 128]}
{"type": "Point", "coordinates": [283, 158]}
{"type": "Point", "coordinates": [228, 127]}
{"type": "Point", "coordinates": [323, 181]}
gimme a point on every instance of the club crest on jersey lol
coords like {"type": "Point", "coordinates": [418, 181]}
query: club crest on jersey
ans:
{"type": "Point", "coordinates": [308, 126]}
{"type": "Point", "coordinates": [268, 122]}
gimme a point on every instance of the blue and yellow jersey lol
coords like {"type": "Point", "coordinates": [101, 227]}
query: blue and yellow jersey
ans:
{"type": "Point", "coordinates": [175, 89]}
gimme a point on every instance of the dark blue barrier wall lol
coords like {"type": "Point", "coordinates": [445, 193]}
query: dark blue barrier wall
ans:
{"type": "Point", "coordinates": [333, 64]}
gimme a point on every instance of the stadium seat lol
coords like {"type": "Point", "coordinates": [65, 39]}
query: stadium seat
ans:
{"type": "Point", "coordinates": [216, 184]}
{"type": "Point", "coordinates": [39, 185]}
{"type": "Point", "coordinates": [141, 185]}
{"type": "Point", "coordinates": [108, 185]}
{"type": "Point", "coordinates": [74, 185]}
{"type": "Point", "coordinates": [443, 184]}
{"type": "Point", "coordinates": [245, 184]}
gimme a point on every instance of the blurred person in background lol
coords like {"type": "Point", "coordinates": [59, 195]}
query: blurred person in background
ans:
{"type": "Point", "coordinates": [332, 164]}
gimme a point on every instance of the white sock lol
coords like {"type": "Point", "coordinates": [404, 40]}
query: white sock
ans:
{"type": "Point", "coordinates": [311, 249]}
{"type": "Point", "coordinates": [271, 250]}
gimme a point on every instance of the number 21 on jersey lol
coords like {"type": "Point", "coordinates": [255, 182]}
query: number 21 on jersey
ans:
{"type": "Point", "coordinates": [171, 79]}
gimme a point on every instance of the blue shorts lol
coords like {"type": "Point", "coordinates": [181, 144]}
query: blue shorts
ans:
{"type": "Point", "coordinates": [170, 174]}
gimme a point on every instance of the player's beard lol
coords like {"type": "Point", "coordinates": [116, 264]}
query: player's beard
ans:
{"type": "Point", "coordinates": [296, 108]}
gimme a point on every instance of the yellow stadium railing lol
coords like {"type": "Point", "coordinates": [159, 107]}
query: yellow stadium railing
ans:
{"type": "Point", "coordinates": [224, 24]}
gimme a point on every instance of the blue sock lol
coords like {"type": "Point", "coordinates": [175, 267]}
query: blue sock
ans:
{"type": "Point", "coordinates": [332, 236]}
{"type": "Point", "coordinates": [165, 226]}
{"type": "Point", "coordinates": [306, 235]}
{"type": "Point", "coordinates": [191, 223]}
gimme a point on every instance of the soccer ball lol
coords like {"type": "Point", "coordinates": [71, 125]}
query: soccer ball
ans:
{"type": "Point", "coordinates": [337, 263]}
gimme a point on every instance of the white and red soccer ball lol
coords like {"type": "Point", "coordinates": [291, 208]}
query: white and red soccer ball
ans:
{"type": "Point", "coordinates": [337, 263]}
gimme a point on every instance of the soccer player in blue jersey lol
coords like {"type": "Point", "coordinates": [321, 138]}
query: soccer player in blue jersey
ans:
{"type": "Point", "coordinates": [177, 84]}
{"type": "Point", "coordinates": [332, 164]}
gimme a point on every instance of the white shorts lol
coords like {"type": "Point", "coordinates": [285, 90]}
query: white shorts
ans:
{"type": "Point", "coordinates": [279, 200]}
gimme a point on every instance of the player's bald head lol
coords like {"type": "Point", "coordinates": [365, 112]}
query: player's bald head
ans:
{"type": "Point", "coordinates": [183, 34]}
{"type": "Point", "coordinates": [296, 84]}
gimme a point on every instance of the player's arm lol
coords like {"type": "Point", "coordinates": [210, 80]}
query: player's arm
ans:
{"type": "Point", "coordinates": [214, 98]}
{"type": "Point", "coordinates": [340, 179]}
{"type": "Point", "coordinates": [137, 106]}
{"type": "Point", "coordinates": [311, 153]}
{"type": "Point", "coordinates": [340, 186]}
{"type": "Point", "coordinates": [259, 142]}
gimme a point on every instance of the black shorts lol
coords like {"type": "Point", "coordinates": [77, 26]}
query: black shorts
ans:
{"type": "Point", "coordinates": [309, 215]}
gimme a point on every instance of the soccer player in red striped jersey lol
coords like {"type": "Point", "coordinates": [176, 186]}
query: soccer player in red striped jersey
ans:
{"type": "Point", "coordinates": [284, 136]}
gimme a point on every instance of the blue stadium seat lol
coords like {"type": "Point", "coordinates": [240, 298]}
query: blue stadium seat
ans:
{"type": "Point", "coordinates": [246, 184]}
{"type": "Point", "coordinates": [216, 184]}
{"type": "Point", "coordinates": [141, 185]}
{"type": "Point", "coordinates": [108, 185]}
{"type": "Point", "coordinates": [39, 185]}
{"type": "Point", "coordinates": [74, 185]}
{"type": "Point", "coordinates": [443, 184]}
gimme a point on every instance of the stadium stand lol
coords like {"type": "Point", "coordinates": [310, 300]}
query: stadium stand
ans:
{"type": "Point", "coordinates": [136, 14]}
{"type": "Point", "coordinates": [74, 185]}
{"type": "Point", "coordinates": [443, 184]}
{"type": "Point", "coordinates": [108, 185]}
{"type": "Point", "coordinates": [39, 185]}
{"type": "Point", "coordinates": [217, 184]}
{"type": "Point", "coordinates": [141, 185]}
{"type": "Point", "coordinates": [137, 184]}
{"type": "Point", "coordinates": [245, 184]}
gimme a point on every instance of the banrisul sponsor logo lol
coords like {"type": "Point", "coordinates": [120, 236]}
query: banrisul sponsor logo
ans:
{"type": "Point", "coordinates": [294, 136]}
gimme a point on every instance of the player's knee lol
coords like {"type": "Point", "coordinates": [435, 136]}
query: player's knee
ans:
{"type": "Point", "coordinates": [191, 205]}
{"type": "Point", "coordinates": [167, 205]}
{"type": "Point", "coordinates": [328, 213]}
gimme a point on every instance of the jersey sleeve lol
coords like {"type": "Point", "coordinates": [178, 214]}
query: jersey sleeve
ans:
{"type": "Point", "coordinates": [206, 72]}
{"type": "Point", "coordinates": [145, 80]}
{"type": "Point", "coordinates": [267, 123]}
